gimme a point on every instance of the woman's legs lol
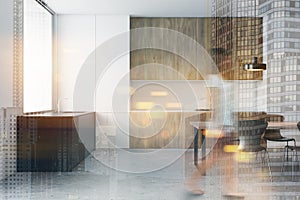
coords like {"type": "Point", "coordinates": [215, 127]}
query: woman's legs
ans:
{"type": "Point", "coordinates": [192, 182]}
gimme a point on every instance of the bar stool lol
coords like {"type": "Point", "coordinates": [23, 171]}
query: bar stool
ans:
{"type": "Point", "coordinates": [274, 135]}
{"type": "Point", "coordinates": [250, 135]}
{"type": "Point", "coordinates": [294, 150]}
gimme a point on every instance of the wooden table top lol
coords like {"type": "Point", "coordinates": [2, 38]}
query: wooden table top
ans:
{"type": "Point", "coordinates": [210, 124]}
{"type": "Point", "coordinates": [283, 125]}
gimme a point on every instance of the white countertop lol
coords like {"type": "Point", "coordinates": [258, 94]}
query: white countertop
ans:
{"type": "Point", "coordinates": [205, 124]}
{"type": "Point", "coordinates": [57, 114]}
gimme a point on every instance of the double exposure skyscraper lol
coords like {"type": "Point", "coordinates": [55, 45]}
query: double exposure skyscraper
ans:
{"type": "Point", "coordinates": [280, 50]}
{"type": "Point", "coordinates": [237, 31]}
{"type": "Point", "coordinates": [282, 55]}
{"type": "Point", "coordinates": [236, 38]}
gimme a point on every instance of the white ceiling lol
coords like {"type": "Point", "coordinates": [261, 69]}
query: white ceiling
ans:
{"type": "Point", "coordinates": [144, 8]}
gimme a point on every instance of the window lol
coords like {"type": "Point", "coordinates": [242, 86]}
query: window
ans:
{"type": "Point", "coordinates": [275, 80]}
{"type": "Point", "coordinates": [290, 88]}
{"type": "Point", "coordinates": [291, 78]}
{"type": "Point", "coordinates": [37, 57]}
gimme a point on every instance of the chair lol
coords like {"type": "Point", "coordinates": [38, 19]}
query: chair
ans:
{"type": "Point", "coordinates": [294, 149]}
{"type": "Point", "coordinates": [250, 136]}
{"type": "Point", "coordinates": [274, 135]}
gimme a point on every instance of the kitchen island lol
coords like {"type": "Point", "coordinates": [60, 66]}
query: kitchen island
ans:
{"type": "Point", "coordinates": [52, 142]}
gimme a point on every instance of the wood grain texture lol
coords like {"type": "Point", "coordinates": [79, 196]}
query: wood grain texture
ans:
{"type": "Point", "coordinates": [159, 64]}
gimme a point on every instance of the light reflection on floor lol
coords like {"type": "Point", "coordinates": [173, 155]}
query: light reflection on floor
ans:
{"type": "Point", "coordinates": [93, 180]}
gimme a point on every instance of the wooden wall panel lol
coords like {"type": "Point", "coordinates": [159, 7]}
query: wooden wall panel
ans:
{"type": "Point", "coordinates": [173, 130]}
{"type": "Point", "coordinates": [153, 64]}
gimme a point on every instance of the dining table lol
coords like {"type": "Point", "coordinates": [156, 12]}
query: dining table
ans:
{"type": "Point", "coordinates": [283, 125]}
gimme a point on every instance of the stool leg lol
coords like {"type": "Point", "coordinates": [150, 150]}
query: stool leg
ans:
{"type": "Point", "coordinates": [287, 151]}
{"type": "Point", "coordinates": [293, 151]}
{"type": "Point", "coordinates": [261, 159]}
{"type": "Point", "coordinates": [283, 160]}
{"type": "Point", "coordinates": [297, 159]}
{"type": "Point", "coordinates": [270, 172]}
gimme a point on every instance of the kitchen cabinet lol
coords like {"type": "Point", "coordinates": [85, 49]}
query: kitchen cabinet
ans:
{"type": "Point", "coordinates": [54, 141]}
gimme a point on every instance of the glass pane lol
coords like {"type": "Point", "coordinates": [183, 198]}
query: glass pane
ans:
{"type": "Point", "coordinates": [37, 57]}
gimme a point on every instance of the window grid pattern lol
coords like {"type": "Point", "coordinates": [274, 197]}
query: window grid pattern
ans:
{"type": "Point", "coordinates": [18, 53]}
{"type": "Point", "coordinates": [15, 185]}
{"type": "Point", "coordinates": [241, 31]}
{"type": "Point", "coordinates": [282, 48]}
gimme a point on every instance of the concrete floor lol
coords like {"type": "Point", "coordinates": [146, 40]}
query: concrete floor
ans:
{"type": "Point", "coordinates": [108, 175]}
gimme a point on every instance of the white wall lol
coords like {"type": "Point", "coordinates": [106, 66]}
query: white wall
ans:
{"type": "Point", "coordinates": [86, 47]}
{"type": "Point", "coordinates": [112, 92]}
{"type": "Point", "coordinates": [76, 41]}
{"type": "Point", "coordinates": [80, 38]}
{"type": "Point", "coordinates": [6, 53]}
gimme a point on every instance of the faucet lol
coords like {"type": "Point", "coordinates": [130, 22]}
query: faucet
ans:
{"type": "Point", "coordinates": [59, 102]}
